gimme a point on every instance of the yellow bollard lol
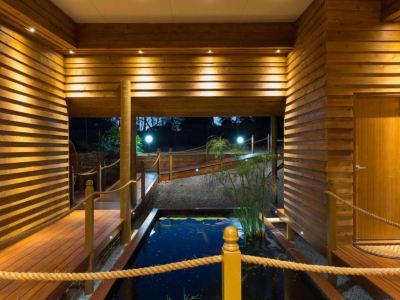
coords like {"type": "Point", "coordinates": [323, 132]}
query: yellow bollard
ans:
{"type": "Point", "coordinates": [231, 265]}
{"type": "Point", "coordinates": [89, 233]}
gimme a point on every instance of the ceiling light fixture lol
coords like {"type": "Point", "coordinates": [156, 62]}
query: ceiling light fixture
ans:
{"type": "Point", "coordinates": [30, 29]}
{"type": "Point", "coordinates": [140, 51]}
{"type": "Point", "coordinates": [278, 51]}
{"type": "Point", "coordinates": [210, 51]}
{"type": "Point", "coordinates": [71, 52]}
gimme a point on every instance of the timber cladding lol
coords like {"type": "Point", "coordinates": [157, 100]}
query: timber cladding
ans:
{"type": "Point", "coordinates": [177, 85]}
{"type": "Point", "coordinates": [363, 56]}
{"type": "Point", "coordinates": [33, 135]}
{"type": "Point", "coordinates": [305, 129]}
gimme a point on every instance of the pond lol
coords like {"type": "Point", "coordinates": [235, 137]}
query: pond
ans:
{"type": "Point", "coordinates": [175, 239]}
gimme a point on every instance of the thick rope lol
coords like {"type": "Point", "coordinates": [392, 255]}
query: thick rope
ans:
{"type": "Point", "coordinates": [90, 172]}
{"type": "Point", "coordinates": [363, 211]}
{"type": "Point", "coordinates": [194, 263]}
{"type": "Point", "coordinates": [295, 266]}
{"type": "Point", "coordinates": [156, 161]}
{"type": "Point", "coordinates": [44, 276]}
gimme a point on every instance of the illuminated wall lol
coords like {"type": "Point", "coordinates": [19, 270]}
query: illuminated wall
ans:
{"type": "Point", "coordinates": [33, 135]}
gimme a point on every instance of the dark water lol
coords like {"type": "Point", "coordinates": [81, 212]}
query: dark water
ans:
{"type": "Point", "coordinates": [175, 239]}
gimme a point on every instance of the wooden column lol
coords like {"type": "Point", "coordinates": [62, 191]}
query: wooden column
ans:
{"type": "Point", "coordinates": [231, 265]}
{"type": "Point", "coordinates": [133, 159]}
{"type": "Point", "coordinates": [274, 163]}
{"type": "Point", "coordinates": [125, 156]}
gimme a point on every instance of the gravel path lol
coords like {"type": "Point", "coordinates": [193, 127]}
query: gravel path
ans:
{"type": "Point", "coordinates": [194, 192]}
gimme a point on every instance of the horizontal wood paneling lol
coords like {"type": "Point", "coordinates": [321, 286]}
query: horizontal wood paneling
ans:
{"type": "Point", "coordinates": [177, 85]}
{"type": "Point", "coordinates": [305, 129]}
{"type": "Point", "coordinates": [363, 56]}
{"type": "Point", "coordinates": [33, 134]}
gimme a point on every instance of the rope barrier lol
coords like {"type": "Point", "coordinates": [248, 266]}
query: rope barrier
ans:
{"type": "Point", "coordinates": [111, 165]}
{"type": "Point", "coordinates": [194, 263]}
{"type": "Point", "coordinates": [90, 172]}
{"type": "Point", "coordinates": [156, 161]}
{"type": "Point", "coordinates": [367, 213]}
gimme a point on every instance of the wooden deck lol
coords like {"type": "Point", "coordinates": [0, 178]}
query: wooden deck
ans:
{"type": "Point", "coordinates": [58, 247]}
{"type": "Point", "coordinates": [380, 287]}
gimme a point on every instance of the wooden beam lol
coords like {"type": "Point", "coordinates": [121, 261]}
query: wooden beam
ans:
{"type": "Point", "coordinates": [125, 163]}
{"type": "Point", "coordinates": [190, 106]}
{"type": "Point", "coordinates": [50, 23]}
{"type": "Point", "coordinates": [171, 35]}
{"type": "Point", "coordinates": [390, 10]}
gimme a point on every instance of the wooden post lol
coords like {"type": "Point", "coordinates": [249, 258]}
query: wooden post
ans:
{"type": "Point", "coordinates": [143, 182]}
{"type": "Point", "coordinates": [206, 152]}
{"type": "Point", "coordinates": [252, 143]}
{"type": "Point", "coordinates": [231, 265]}
{"type": "Point", "coordinates": [125, 162]}
{"type": "Point", "coordinates": [89, 232]}
{"type": "Point", "coordinates": [158, 164]}
{"type": "Point", "coordinates": [170, 163]}
{"type": "Point", "coordinates": [133, 187]}
{"type": "Point", "coordinates": [99, 177]}
{"type": "Point", "coordinates": [290, 233]}
{"type": "Point", "coordinates": [274, 162]}
{"type": "Point", "coordinates": [71, 186]}
{"type": "Point", "coordinates": [331, 238]}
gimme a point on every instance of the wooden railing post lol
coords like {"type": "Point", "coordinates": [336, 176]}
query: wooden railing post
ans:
{"type": "Point", "coordinates": [143, 182]}
{"type": "Point", "coordinates": [170, 163]}
{"type": "Point", "coordinates": [71, 186]}
{"type": "Point", "coordinates": [252, 143]}
{"type": "Point", "coordinates": [231, 265]}
{"type": "Point", "coordinates": [89, 232]}
{"type": "Point", "coordinates": [206, 152]}
{"type": "Point", "coordinates": [99, 177]}
{"type": "Point", "coordinates": [158, 164]}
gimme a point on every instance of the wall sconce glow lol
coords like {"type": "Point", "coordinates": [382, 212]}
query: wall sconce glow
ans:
{"type": "Point", "coordinates": [240, 140]}
{"type": "Point", "coordinates": [148, 139]}
{"type": "Point", "coordinates": [302, 232]}
{"type": "Point", "coordinates": [31, 29]}
{"type": "Point", "coordinates": [71, 52]}
{"type": "Point", "coordinates": [278, 51]}
{"type": "Point", "coordinates": [140, 52]}
{"type": "Point", "coordinates": [197, 170]}
{"type": "Point", "coordinates": [210, 51]}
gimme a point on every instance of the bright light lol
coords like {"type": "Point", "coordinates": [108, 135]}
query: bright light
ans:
{"type": "Point", "coordinates": [240, 140]}
{"type": "Point", "coordinates": [31, 29]}
{"type": "Point", "coordinates": [197, 170]}
{"type": "Point", "coordinates": [140, 51]}
{"type": "Point", "coordinates": [148, 139]}
{"type": "Point", "coordinates": [71, 52]}
{"type": "Point", "coordinates": [210, 51]}
{"type": "Point", "coordinates": [278, 51]}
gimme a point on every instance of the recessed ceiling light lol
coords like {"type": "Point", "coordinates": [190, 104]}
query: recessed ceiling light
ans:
{"type": "Point", "coordinates": [140, 52]}
{"type": "Point", "coordinates": [209, 51]}
{"type": "Point", "coordinates": [71, 52]}
{"type": "Point", "coordinates": [30, 29]}
{"type": "Point", "coordinates": [278, 51]}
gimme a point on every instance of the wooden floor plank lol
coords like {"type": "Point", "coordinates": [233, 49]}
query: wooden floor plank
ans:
{"type": "Point", "coordinates": [354, 257]}
{"type": "Point", "coordinates": [58, 247]}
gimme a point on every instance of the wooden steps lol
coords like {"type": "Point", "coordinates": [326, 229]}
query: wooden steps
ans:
{"type": "Point", "coordinates": [58, 247]}
{"type": "Point", "coordinates": [380, 287]}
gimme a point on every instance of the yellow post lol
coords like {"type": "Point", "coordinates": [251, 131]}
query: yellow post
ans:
{"type": "Point", "coordinates": [231, 265]}
{"type": "Point", "coordinates": [125, 160]}
{"type": "Point", "coordinates": [89, 232]}
{"type": "Point", "coordinates": [290, 233]}
{"type": "Point", "coordinates": [133, 187]}
{"type": "Point", "coordinates": [274, 162]}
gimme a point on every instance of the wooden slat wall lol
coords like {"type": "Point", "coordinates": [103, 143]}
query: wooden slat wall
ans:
{"type": "Point", "coordinates": [33, 135]}
{"type": "Point", "coordinates": [305, 129]}
{"type": "Point", "coordinates": [363, 56]}
{"type": "Point", "coordinates": [97, 79]}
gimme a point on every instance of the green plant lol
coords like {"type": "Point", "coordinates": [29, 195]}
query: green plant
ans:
{"type": "Point", "coordinates": [250, 185]}
{"type": "Point", "coordinates": [110, 141]}
{"type": "Point", "coordinates": [218, 147]}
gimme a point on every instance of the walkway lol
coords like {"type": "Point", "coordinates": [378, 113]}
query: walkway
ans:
{"type": "Point", "coordinates": [387, 286]}
{"type": "Point", "coordinates": [58, 247]}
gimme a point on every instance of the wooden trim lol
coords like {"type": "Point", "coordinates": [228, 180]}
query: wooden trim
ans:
{"type": "Point", "coordinates": [193, 35]}
{"type": "Point", "coordinates": [51, 24]}
{"type": "Point", "coordinates": [390, 10]}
